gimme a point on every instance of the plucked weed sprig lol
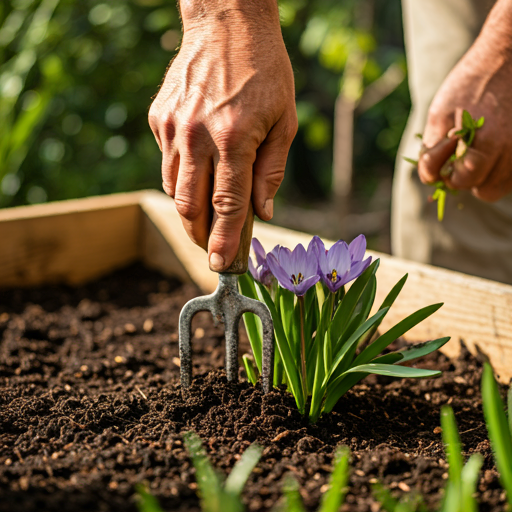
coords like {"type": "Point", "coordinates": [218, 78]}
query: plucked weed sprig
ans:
{"type": "Point", "coordinates": [324, 333]}
{"type": "Point", "coordinates": [466, 135]}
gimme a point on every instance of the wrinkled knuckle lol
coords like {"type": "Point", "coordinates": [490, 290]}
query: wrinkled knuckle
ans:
{"type": "Point", "coordinates": [228, 138]}
{"type": "Point", "coordinates": [275, 177]}
{"type": "Point", "coordinates": [227, 204]}
{"type": "Point", "coordinates": [187, 207]}
{"type": "Point", "coordinates": [192, 132]}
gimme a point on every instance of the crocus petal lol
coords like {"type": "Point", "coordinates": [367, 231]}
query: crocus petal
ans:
{"type": "Point", "coordinates": [323, 264]}
{"type": "Point", "coordinates": [284, 259]}
{"type": "Point", "coordinates": [299, 259]}
{"type": "Point", "coordinates": [259, 252]}
{"type": "Point", "coordinates": [338, 258]}
{"type": "Point", "coordinates": [252, 269]}
{"type": "Point", "coordinates": [279, 273]}
{"type": "Point", "coordinates": [305, 285]}
{"type": "Point", "coordinates": [357, 248]}
{"type": "Point", "coordinates": [316, 245]}
{"type": "Point", "coordinates": [358, 268]}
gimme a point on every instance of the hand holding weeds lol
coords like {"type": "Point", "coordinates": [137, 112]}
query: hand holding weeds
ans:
{"type": "Point", "coordinates": [224, 119]}
{"type": "Point", "coordinates": [481, 84]}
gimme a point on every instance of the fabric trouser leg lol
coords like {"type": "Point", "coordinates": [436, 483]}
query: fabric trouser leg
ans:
{"type": "Point", "coordinates": [475, 237]}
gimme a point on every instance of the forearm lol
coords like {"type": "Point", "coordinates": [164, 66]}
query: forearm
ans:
{"type": "Point", "coordinates": [496, 33]}
{"type": "Point", "coordinates": [249, 12]}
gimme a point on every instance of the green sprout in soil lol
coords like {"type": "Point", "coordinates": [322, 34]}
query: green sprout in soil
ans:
{"type": "Point", "coordinates": [466, 135]}
{"type": "Point", "coordinates": [333, 498]}
{"type": "Point", "coordinates": [462, 478]}
{"type": "Point", "coordinates": [499, 428]}
{"type": "Point", "coordinates": [325, 336]}
{"type": "Point", "coordinates": [216, 495]}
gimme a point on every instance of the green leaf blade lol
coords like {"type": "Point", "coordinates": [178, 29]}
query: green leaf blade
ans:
{"type": "Point", "coordinates": [391, 370]}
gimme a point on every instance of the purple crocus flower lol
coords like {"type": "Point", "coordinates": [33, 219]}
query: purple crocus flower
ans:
{"type": "Point", "coordinates": [295, 270]}
{"type": "Point", "coordinates": [261, 272]}
{"type": "Point", "coordinates": [342, 263]}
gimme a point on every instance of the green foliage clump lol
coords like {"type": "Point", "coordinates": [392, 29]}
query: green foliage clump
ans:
{"type": "Point", "coordinates": [337, 332]}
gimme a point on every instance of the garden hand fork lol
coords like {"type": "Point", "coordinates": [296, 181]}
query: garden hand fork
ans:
{"type": "Point", "coordinates": [227, 305]}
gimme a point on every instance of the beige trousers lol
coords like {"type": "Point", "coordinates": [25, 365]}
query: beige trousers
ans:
{"type": "Point", "coordinates": [476, 239]}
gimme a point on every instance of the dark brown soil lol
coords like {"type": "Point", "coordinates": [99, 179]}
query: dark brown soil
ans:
{"type": "Point", "coordinates": [90, 405]}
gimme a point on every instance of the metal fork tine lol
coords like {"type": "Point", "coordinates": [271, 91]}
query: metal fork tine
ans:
{"type": "Point", "coordinates": [228, 306]}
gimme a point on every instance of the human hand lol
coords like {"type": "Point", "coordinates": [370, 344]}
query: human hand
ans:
{"type": "Point", "coordinates": [480, 83]}
{"type": "Point", "coordinates": [226, 109]}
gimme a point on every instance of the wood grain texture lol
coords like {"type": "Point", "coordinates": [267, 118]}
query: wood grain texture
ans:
{"type": "Point", "coordinates": [162, 212]}
{"type": "Point", "coordinates": [70, 241]}
{"type": "Point", "coordinates": [476, 311]}
{"type": "Point", "coordinates": [74, 241]}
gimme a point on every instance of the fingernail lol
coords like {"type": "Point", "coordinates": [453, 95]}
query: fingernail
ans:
{"type": "Point", "coordinates": [451, 133]}
{"type": "Point", "coordinates": [268, 208]}
{"type": "Point", "coordinates": [216, 262]}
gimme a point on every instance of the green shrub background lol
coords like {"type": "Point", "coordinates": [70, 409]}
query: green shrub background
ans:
{"type": "Point", "coordinates": [77, 77]}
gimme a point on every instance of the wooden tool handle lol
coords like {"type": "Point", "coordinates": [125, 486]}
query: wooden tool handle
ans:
{"type": "Point", "coordinates": [241, 261]}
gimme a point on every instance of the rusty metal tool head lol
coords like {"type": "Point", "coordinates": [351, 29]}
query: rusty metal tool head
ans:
{"type": "Point", "coordinates": [227, 305]}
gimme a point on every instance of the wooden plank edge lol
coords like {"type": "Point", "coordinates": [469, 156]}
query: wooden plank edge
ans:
{"type": "Point", "coordinates": [72, 206]}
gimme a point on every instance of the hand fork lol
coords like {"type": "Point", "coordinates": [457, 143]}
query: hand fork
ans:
{"type": "Point", "coordinates": [227, 305]}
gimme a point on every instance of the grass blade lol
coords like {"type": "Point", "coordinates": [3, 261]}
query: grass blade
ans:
{"type": "Point", "coordinates": [452, 445]}
{"type": "Point", "coordinates": [345, 310]}
{"type": "Point", "coordinates": [353, 339]}
{"type": "Point", "coordinates": [422, 349]}
{"type": "Point", "coordinates": [208, 482]}
{"type": "Point", "coordinates": [292, 497]}
{"type": "Point", "coordinates": [498, 428]}
{"type": "Point", "coordinates": [392, 370]}
{"type": "Point", "coordinates": [395, 332]}
{"type": "Point", "coordinates": [285, 352]}
{"type": "Point", "coordinates": [252, 375]}
{"type": "Point", "coordinates": [343, 383]}
{"type": "Point", "coordinates": [237, 479]}
{"type": "Point", "coordinates": [387, 303]}
{"type": "Point", "coordinates": [333, 498]}
{"type": "Point", "coordinates": [146, 502]}
{"type": "Point", "coordinates": [469, 481]}
{"type": "Point", "coordinates": [251, 321]}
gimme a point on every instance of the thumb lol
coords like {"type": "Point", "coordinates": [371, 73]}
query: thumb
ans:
{"type": "Point", "coordinates": [434, 158]}
{"type": "Point", "coordinates": [268, 169]}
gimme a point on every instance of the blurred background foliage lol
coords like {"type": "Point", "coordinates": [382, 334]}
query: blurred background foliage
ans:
{"type": "Point", "coordinates": [77, 77]}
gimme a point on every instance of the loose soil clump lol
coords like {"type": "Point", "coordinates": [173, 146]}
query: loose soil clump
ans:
{"type": "Point", "coordinates": [90, 405]}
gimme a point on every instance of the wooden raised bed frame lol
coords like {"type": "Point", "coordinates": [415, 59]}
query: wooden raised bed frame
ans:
{"type": "Point", "coordinates": [75, 241]}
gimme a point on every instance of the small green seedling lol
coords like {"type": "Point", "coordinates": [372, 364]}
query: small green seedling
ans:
{"type": "Point", "coordinates": [466, 136]}
{"type": "Point", "coordinates": [409, 503]}
{"type": "Point", "coordinates": [146, 502]}
{"type": "Point", "coordinates": [333, 498]}
{"type": "Point", "coordinates": [499, 428]}
{"type": "Point", "coordinates": [462, 479]}
{"type": "Point", "coordinates": [215, 495]}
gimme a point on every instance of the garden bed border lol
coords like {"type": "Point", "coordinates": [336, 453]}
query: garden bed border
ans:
{"type": "Point", "coordinates": [79, 240]}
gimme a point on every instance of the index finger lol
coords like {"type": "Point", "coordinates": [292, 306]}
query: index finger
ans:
{"type": "Point", "coordinates": [231, 197]}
